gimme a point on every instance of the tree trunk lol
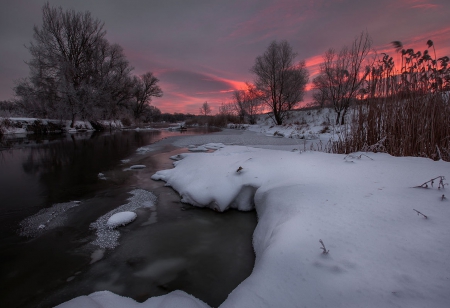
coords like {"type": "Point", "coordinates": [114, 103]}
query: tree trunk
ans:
{"type": "Point", "coordinates": [72, 124]}
{"type": "Point", "coordinates": [338, 117]}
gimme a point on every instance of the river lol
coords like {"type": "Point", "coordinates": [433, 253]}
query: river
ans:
{"type": "Point", "coordinates": [169, 246]}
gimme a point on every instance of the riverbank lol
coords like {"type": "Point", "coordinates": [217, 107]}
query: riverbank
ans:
{"type": "Point", "coordinates": [333, 230]}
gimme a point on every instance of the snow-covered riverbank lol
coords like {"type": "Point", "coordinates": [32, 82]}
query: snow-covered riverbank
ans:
{"type": "Point", "coordinates": [382, 250]}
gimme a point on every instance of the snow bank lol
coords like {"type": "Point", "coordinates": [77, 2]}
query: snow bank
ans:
{"type": "Point", "coordinates": [381, 253]}
{"type": "Point", "coordinates": [35, 125]}
{"type": "Point", "coordinates": [121, 219]}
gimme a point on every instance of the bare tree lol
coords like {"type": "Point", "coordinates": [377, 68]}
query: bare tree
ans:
{"type": "Point", "coordinates": [321, 96]}
{"type": "Point", "coordinates": [74, 71]}
{"type": "Point", "coordinates": [247, 103]}
{"type": "Point", "coordinates": [205, 109]}
{"type": "Point", "coordinates": [343, 74]}
{"type": "Point", "coordinates": [145, 88]}
{"type": "Point", "coordinates": [227, 109]}
{"type": "Point", "coordinates": [280, 82]}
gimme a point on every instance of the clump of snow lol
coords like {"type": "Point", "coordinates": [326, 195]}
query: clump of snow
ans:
{"type": "Point", "coordinates": [101, 176]}
{"type": "Point", "coordinates": [134, 167]}
{"type": "Point", "coordinates": [108, 237]}
{"type": "Point", "coordinates": [137, 167]}
{"type": "Point", "coordinates": [144, 150]}
{"type": "Point", "coordinates": [198, 149]}
{"type": "Point", "coordinates": [179, 156]}
{"type": "Point", "coordinates": [214, 146]}
{"type": "Point", "coordinates": [46, 219]}
{"type": "Point", "coordinates": [121, 219]}
{"type": "Point", "coordinates": [97, 255]}
{"type": "Point", "coordinates": [124, 161]}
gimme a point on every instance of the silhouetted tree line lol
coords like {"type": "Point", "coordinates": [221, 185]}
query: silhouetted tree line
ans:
{"type": "Point", "coordinates": [75, 73]}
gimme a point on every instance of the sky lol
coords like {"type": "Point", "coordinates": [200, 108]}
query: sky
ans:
{"type": "Point", "coordinates": [202, 50]}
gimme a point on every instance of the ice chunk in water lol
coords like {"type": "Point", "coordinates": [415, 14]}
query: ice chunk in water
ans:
{"type": "Point", "coordinates": [121, 219]}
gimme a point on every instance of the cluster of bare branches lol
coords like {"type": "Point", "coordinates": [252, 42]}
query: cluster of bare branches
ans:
{"type": "Point", "coordinates": [247, 104]}
{"type": "Point", "coordinates": [75, 73]}
{"type": "Point", "coordinates": [342, 75]}
{"type": "Point", "coordinates": [440, 180]}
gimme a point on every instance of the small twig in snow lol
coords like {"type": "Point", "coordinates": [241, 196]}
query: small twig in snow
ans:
{"type": "Point", "coordinates": [441, 183]}
{"type": "Point", "coordinates": [239, 169]}
{"type": "Point", "coordinates": [324, 249]}
{"type": "Point", "coordinates": [419, 213]}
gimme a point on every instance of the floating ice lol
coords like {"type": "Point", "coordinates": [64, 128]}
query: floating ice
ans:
{"type": "Point", "coordinates": [134, 167]}
{"type": "Point", "coordinates": [214, 146]}
{"type": "Point", "coordinates": [121, 219]}
{"type": "Point", "coordinates": [109, 238]}
{"type": "Point", "coordinates": [97, 255]}
{"type": "Point", "coordinates": [46, 219]}
{"type": "Point", "coordinates": [198, 149]}
{"type": "Point", "coordinates": [143, 150]}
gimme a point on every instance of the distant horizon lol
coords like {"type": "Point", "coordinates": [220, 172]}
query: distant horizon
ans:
{"type": "Point", "coordinates": [203, 51]}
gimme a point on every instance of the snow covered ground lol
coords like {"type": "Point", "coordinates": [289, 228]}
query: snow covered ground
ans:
{"type": "Point", "coordinates": [364, 207]}
{"type": "Point", "coordinates": [307, 124]}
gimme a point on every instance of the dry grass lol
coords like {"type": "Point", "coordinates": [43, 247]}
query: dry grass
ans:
{"type": "Point", "coordinates": [402, 112]}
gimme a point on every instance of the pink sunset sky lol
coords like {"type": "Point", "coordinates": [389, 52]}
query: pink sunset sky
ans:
{"type": "Point", "coordinates": [202, 50]}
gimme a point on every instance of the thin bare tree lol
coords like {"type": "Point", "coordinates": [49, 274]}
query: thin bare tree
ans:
{"type": "Point", "coordinates": [343, 73]}
{"type": "Point", "coordinates": [205, 109]}
{"type": "Point", "coordinates": [247, 104]}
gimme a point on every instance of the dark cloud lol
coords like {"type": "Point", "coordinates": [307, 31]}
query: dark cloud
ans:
{"type": "Point", "coordinates": [201, 48]}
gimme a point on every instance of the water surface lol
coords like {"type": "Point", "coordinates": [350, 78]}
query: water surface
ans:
{"type": "Point", "coordinates": [170, 246]}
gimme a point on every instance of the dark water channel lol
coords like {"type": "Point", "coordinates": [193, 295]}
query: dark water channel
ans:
{"type": "Point", "coordinates": [169, 246]}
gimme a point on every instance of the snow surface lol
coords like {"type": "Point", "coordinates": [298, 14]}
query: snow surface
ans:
{"type": "Point", "coordinates": [121, 219]}
{"type": "Point", "coordinates": [177, 299]}
{"type": "Point", "coordinates": [381, 252]}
